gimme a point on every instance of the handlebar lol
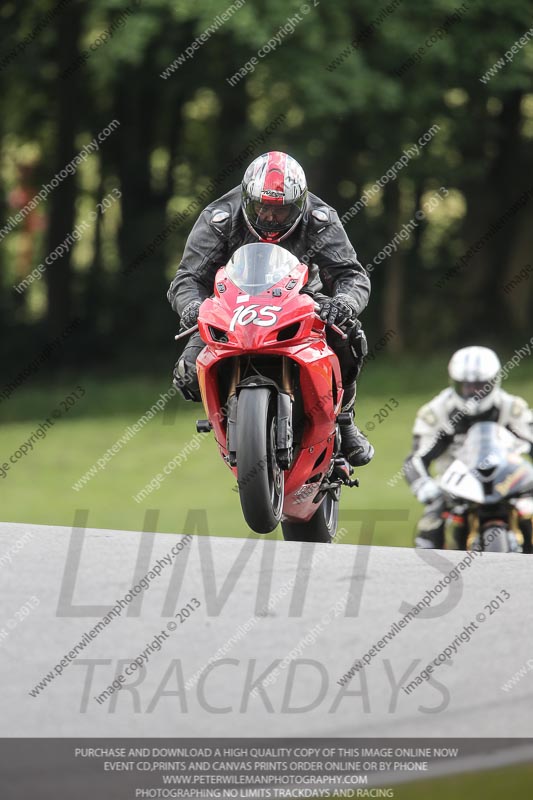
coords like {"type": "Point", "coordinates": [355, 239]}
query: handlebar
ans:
{"type": "Point", "coordinates": [194, 328]}
{"type": "Point", "coordinates": [333, 327]}
{"type": "Point", "coordinates": [186, 333]}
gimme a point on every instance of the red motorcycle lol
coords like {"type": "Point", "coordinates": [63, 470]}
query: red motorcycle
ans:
{"type": "Point", "coordinates": [271, 387]}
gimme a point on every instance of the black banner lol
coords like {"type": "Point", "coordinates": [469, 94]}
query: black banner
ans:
{"type": "Point", "coordinates": [127, 769]}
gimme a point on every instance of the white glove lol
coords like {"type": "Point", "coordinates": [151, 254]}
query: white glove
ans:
{"type": "Point", "coordinates": [427, 490]}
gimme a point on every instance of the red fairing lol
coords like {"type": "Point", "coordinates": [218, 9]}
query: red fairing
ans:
{"type": "Point", "coordinates": [252, 325]}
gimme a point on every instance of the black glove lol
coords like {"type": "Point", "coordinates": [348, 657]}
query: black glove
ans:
{"type": "Point", "coordinates": [189, 316]}
{"type": "Point", "coordinates": [337, 310]}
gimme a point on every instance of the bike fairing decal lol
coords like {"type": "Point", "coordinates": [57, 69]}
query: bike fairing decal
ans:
{"type": "Point", "coordinates": [244, 315]}
{"type": "Point", "coordinates": [511, 480]}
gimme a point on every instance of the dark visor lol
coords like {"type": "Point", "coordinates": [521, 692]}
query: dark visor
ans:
{"type": "Point", "coordinates": [271, 217]}
{"type": "Point", "coordinates": [469, 389]}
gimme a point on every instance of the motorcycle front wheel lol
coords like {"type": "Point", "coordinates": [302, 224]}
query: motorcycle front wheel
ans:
{"type": "Point", "coordinates": [496, 540]}
{"type": "Point", "coordinates": [259, 477]}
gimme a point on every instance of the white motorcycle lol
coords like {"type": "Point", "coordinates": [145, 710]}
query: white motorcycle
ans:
{"type": "Point", "coordinates": [488, 488]}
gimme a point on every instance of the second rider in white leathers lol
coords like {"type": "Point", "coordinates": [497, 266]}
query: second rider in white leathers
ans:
{"type": "Point", "coordinates": [475, 395]}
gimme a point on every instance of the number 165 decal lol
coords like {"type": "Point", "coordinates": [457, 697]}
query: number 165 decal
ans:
{"type": "Point", "coordinates": [264, 317]}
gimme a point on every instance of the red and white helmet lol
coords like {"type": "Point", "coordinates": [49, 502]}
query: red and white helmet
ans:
{"type": "Point", "coordinates": [274, 196]}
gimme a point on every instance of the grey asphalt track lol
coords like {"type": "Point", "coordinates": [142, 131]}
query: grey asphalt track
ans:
{"type": "Point", "coordinates": [329, 604]}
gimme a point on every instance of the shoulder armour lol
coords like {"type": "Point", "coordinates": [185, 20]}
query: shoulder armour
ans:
{"type": "Point", "coordinates": [427, 414]}
{"type": "Point", "coordinates": [518, 407]}
{"type": "Point", "coordinates": [219, 216]}
{"type": "Point", "coordinates": [511, 406]}
{"type": "Point", "coordinates": [434, 415]}
{"type": "Point", "coordinates": [321, 215]}
{"type": "Point", "coordinates": [221, 222]}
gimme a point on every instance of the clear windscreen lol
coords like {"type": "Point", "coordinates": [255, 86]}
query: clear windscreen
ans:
{"type": "Point", "coordinates": [256, 267]}
{"type": "Point", "coordinates": [487, 443]}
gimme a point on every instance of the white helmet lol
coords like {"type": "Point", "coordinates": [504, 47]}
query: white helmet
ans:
{"type": "Point", "coordinates": [475, 376]}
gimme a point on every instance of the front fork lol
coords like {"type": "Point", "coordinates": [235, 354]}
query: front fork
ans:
{"type": "Point", "coordinates": [475, 531]}
{"type": "Point", "coordinates": [284, 429]}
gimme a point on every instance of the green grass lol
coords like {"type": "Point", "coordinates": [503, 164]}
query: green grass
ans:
{"type": "Point", "coordinates": [499, 784]}
{"type": "Point", "coordinates": [38, 488]}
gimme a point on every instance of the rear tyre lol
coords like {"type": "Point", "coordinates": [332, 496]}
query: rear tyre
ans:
{"type": "Point", "coordinates": [260, 479]}
{"type": "Point", "coordinates": [322, 526]}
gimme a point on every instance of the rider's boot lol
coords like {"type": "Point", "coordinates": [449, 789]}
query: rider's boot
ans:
{"type": "Point", "coordinates": [355, 447]}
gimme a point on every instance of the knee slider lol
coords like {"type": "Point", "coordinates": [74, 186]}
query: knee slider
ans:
{"type": "Point", "coordinates": [358, 342]}
{"type": "Point", "coordinates": [186, 381]}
